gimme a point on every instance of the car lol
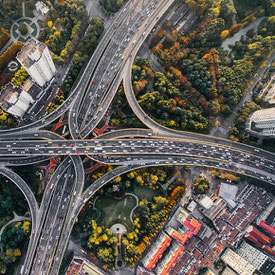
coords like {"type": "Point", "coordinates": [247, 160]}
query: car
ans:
{"type": "Point", "coordinates": [93, 82]}
{"type": "Point", "coordinates": [142, 18]}
{"type": "Point", "coordinates": [72, 144]}
{"type": "Point", "coordinates": [78, 152]}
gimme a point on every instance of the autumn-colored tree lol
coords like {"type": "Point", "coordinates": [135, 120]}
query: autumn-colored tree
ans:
{"type": "Point", "coordinates": [157, 49]}
{"type": "Point", "coordinates": [235, 28]}
{"type": "Point", "coordinates": [149, 71]}
{"type": "Point", "coordinates": [4, 37]}
{"type": "Point", "coordinates": [19, 77]}
{"type": "Point", "coordinates": [141, 84]}
{"type": "Point", "coordinates": [224, 34]}
{"type": "Point", "coordinates": [50, 23]}
{"type": "Point", "coordinates": [9, 53]}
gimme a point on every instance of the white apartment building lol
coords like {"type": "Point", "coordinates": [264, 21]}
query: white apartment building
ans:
{"type": "Point", "coordinates": [36, 59]}
{"type": "Point", "coordinates": [262, 123]}
{"type": "Point", "coordinates": [14, 100]}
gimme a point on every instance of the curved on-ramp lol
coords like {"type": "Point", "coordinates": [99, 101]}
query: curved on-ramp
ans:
{"type": "Point", "coordinates": [33, 206]}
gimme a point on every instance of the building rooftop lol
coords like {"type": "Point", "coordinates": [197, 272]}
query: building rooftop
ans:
{"type": "Point", "coordinates": [156, 251]}
{"type": "Point", "coordinates": [170, 260]}
{"type": "Point", "coordinates": [262, 122]}
{"type": "Point", "coordinates": [212, 206]}
{"type": "Point", "coordinates": [81, 266]}
{"type": "Point", "coordinates": [268, 215]}
{"type": "Point", "coordinates": [252, 255]}
{"type": "Point", "coordinates": [40, 6]}
{"type": "Point", "coordinates": [9, 95]}
{"type": "Point", "coordinates": [31, 88]}
{"type": "Point", "coordinates": [206, 202]}
{"type": "Point", "coordinates": [30, 52]}
{"type": "Point", "coordinates": [191, 207]}
{"type": "Point", "coordinates": [237, 263]}
{"type": "Point", "coordinates": [181, 238]}
{"type": "Point", "coordinates": [228, 193]}
{"type": "Point", "coordinates": [228, 271]}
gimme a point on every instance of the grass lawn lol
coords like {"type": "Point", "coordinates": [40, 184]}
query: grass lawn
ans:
{"type": "Point", "coordinates": [24, 20]}
{"type": "Point", "coordinates": [116, 210]}
{"type": "Point", "coordinates": [15, 34]}
{"type": "Point", "coordinates": [143, 192]}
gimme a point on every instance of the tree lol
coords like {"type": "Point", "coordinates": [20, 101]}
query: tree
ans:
{"type": "Point", "coordinates": [17, 252]}
{"type": "Point", "coordinates": [160, 202]}
{"type": "Point", "coordinates": [139, 180]}
{"type": "Point", "coordinates": [213, 107]}
{"type": "Point", "coordinates": [227, 10]}
{"type": "Point", "coordinates": [224, 34]}
{"type": "Point", "coordinates": [23, 28]}
{"type": "Point", "coordinates": [117, 179]}
{"type": "Point", "coordinates": [19, 77]}
{"type": "Point", "coordinates": [143, 204]}
{"type": "Point", "coordinates": [9, 53]}
{"type": "Point", "coordinates": [4, 37]}
{"type": "Point", "coordinates": [105, 255]}
{"type": "Point", "coordinates": [131, 250]}
{"type": "Point", "coordinates": [201, 185]}
{"type": "Point", "coordinates": [197, 6]}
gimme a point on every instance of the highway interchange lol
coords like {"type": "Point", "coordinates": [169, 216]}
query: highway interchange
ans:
{"type": "Point", "coordinates": [64, 195]}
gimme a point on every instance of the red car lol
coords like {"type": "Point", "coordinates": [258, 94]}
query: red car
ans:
{"type": "Point", "coordinates": [93, 82]}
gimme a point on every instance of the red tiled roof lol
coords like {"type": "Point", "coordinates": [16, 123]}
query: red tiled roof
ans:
{"type": "Point", "coordinates": [268, 228]}
{"type": "Point", "coordinates": [194, 225]}
{"type": "Point", "coordinates": [269, 250]}
{"type": "Point", "coordinates": [258, 235]}
{"type": "Point", "coordinates": [205, 262]}
{"type": "Point", "coordinates": [74, 269]}
{"type": "Point", "coordinates": [154, 259]}
{"type": "Point", "coordinates": [197, 255]}
{"type": "Point", "coordinates": [181, 238]}
{"type": "Point", "coordinates": [173, 260]}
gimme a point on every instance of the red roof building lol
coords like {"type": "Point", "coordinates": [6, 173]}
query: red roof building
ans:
{"type": "Point", "coordinates": [170, 260]}
{"type": "Point", "coordinates": [258, 235]}
{"type": "Point", "coordinates": [268, 250]}
{"type": "Point", "coordinates": [181, 238]}
{"type": "Point", "coordinates": [188, 221]}
{"type": "Point", "coordinates": [156, 251]}
{"type": "Point", "coordinates": [267, 227]}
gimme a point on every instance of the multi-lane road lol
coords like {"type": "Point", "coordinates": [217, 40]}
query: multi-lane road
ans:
{"type": "Point", "coordinates": [88, 102]}
{"type": "Point", "coordinates": [119, 151]}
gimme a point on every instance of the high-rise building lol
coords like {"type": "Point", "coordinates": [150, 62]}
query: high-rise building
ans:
{"type": "Point", "coordinates": [36, 59]}
{"type": "Point", "coordinates": [14, 100]}
{"type": "Point", "coordinates": [262, 123]}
